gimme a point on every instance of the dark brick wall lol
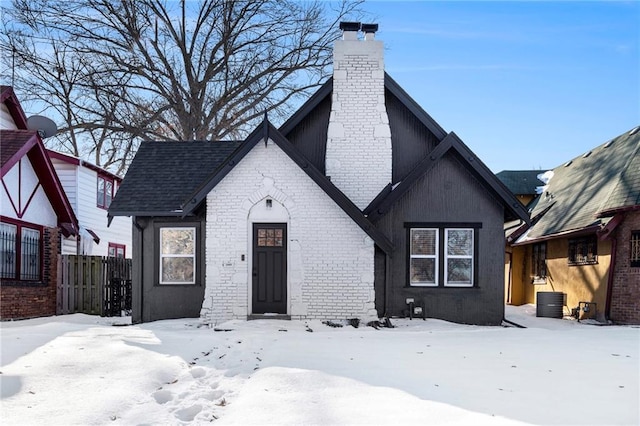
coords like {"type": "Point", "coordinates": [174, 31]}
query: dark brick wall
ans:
{"type": "Point", "coordinates": [625, 292]}
{"type": "Point", "coordinates": [20, 300]}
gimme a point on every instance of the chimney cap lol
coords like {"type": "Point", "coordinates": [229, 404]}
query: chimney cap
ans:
{"type": "Point", "coordinates": [369, 28]}
{"type": "Point", "coordinates": [350, 26]}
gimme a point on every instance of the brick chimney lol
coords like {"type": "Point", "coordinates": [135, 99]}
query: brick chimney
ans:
{"type": "Point", "coordinates": [358, 155]}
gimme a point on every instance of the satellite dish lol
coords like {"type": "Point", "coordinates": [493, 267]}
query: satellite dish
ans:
{"type": "Point", "coordinates": [43, 125]}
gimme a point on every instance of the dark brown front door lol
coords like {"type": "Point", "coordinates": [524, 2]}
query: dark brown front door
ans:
{"type": "Point", "coordinates": [269, 268]}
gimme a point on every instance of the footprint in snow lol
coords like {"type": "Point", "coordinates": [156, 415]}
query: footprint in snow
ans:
{"type": "Point", "coordinates": [189, 413]}
{"type": "Point", "coordinates": [197, 373]}
{"type": "Point", "coordinates": [162, 396]}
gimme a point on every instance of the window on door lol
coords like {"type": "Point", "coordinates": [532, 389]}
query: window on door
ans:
{"type": "Point", "coordinates": [116, 250]}
{"type": "Point", "coordinates": [20, 251]}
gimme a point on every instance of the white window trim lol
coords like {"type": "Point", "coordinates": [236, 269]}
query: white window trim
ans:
{"type": "Point", "coordinates": [162, 256]}
{"type": "Point", "coordinates": [452, 256]}
{"type": "Point", "coordinates": [426, 256]}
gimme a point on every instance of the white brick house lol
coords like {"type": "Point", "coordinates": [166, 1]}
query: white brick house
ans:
{"type": "Point", "coordinates": [338, 214]}
{"type": "Point", "coordinates": [342, 276]}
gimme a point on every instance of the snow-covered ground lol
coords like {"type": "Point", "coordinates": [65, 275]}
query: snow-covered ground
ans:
{"type": "Point", "coordinates": [83, 370]}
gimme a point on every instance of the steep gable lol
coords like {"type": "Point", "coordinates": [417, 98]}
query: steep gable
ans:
{"type": "Point", "coordinates": [18, 144]}
{"type": "Point", "coordinates": [415, 135]}
{"type": "Point", "coordinates": [263, 133]}
{"type": "Point", "coordinates": [16, 116]}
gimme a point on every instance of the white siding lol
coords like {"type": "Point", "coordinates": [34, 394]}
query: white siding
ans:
{"type": "Point", "coordinates": [33, 208]}
{"type": "Point", "coordinates": [93, 217]}
{"type": "Point", "coordinates": [330, 259]}
{"type": "Point", "coordinates": [67, 173]}
{"type": "Point", "coordinates": [6, 120]}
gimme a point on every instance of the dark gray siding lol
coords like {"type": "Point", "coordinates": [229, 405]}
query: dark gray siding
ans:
{"type": "Point", "coordinates": [310, 135]}
{"type": "Point", "coordinates": [152, 301]}
{"type": "Point", "coordinates": [412, 141]}
{"type": "Point", "coordinates": [449, 193]}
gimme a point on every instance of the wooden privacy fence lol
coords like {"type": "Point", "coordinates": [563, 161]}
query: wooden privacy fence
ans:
{"type": "Point", "coordinates": [93, 285]}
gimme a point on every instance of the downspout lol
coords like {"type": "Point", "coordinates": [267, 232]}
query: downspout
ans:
{"type": "Point", "coordinates": [510, 273]}
{"type": "Point", "coordinates": [612, 264]}
{"type": "Point", "coordinates": [387, 283]}
{"type": "Point", "coordinates": [140, 230]}
{"type": "Point", "coordinates": [77, 206]}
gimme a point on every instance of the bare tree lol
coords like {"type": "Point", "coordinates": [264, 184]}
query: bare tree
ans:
{"type": "Point", "coordinates": [115, 72]}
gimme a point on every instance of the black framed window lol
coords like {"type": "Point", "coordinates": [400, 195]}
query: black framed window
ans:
{"type": "Point", "coordinates": [20, 251]}
{"type": "Point", "coordinates": [177, 255]}
{"type": "Point", "coordinates": [539, 261]}
{"type": "Point", "coordinates": [442, 254]}
{"type": "Point", "coordinates": [635, 249]}
{"type": "Point", "coordinates": [583, 250]}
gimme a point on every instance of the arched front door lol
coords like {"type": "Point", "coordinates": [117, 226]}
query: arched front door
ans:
{"type": "Point", "coordinates": [269, 268]}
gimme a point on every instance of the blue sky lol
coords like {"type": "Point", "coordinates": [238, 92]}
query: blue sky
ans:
{"type": "Point", "coordinates": [526, 85]}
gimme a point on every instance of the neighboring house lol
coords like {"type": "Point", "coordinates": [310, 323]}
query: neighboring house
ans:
{"type": "Point", "coordinates": [34, 214]}
{"type": "Point", "coordinates": [359, 206]}
{"type": "Point", "coordinates": [584, 238]}
{"type": "Point", "coordinates": [523, 184]}
{"type": "Point", "coordinates": [90, 190]}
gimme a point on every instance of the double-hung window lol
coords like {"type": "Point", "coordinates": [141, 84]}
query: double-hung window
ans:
{"type": "Point", "coordinates": [20, 251]}
{"type": "Point", "coordinates": [423, 258]}
{"type": "Point", "coordinates": [177, 255]}
{"type": "Point", "coordinates": [106, 191]}
{"type": "Point", "coordinates": [442, 255]}
{"type": "Point", "coordinates": [459, 258]}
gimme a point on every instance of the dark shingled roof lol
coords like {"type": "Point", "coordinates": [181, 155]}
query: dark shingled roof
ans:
{"type": "Point", "coordinates": [165, 168]}
{"type": "Point", "coordinates": [584, 192]}
{"type": "Point", "coordinates": [521, 182]}
{"type": "Point", "coordinates": [163, 173]}
{"type": "Point", "coordinates": [12, 142]}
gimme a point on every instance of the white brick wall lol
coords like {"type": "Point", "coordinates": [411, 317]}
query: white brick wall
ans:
{"type": "Point", "coordinates": [330, 259]}
{"type": "Point", "coordinates": [358, 157]}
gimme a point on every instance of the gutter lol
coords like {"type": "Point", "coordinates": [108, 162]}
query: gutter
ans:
{"type": "Point", "coordinates": [387, 283]}
{"type": "Point", "coordinates": [564, 234]}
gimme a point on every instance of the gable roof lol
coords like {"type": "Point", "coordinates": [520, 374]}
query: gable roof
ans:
{"type": "Point", "coordinates": [9, 98]}
{"type": "Point", "coordinates": [389, 83]}
{"type": "Point", "coordinates": [389, 195]}
{"type": "Point", "coordinates": [521, 182]}
{"type": "Point", "coordinates": [163, 173]}
{"type": "Point", "coordinates": [14, 145]}
{"type": "Point", "coordinates": [71, 159]}
{"type": "Point", "coordinates": [451, 143]}
{"type": "Point", "coordinates": [586, 191]}
{"type": "Point", "coordinates": [266, 131]}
